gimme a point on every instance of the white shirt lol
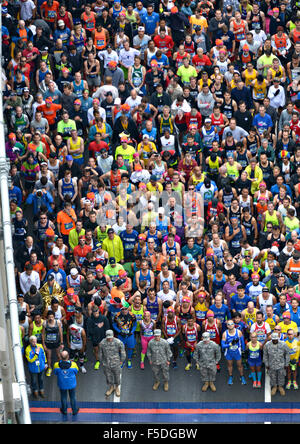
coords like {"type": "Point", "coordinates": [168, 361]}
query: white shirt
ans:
{"type": "Point", "coordinates": [90, 114]}
{"type": "Point", "coordinates": [26, 281]}
{"type": "Point", "coordinates": [108, 57]}
{"type": "Point", "coordinates": [133, 103]}
{"type": "Point", "coordinates": [278, 100]}
{"type": "Point", "coordinates": [127, 57]}
{"type": "Point", "coordinates": [168, 144]}
{"type": "Point", "coordinates": [260, 38]}
{"type": "Point", "coordinates": [102, 90]}
{"type": "Point", "coordinates": [170, 296]}
{"type": "Point", "coordinates": [27, 8]}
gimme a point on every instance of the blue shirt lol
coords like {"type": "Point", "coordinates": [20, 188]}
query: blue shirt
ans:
{"type": "Point", "coordinates": [239, 304]}
{"type": "Point", "coordinates": [162, 61]}
{"type": "Point", "coordinates": [222, 313]}
{"type": "Point", "coordinates": [129, 239]}
{"type": "Point", "coordinates": [275, 189]}
{"type": "Point", "coordinates": [150, 22]}
{"type": "Point", "coordinates": [262, 123]}
{"type": "Point", "coordinates": [15, 193]}
{"type": "Point", "coordinates": [66, 372]}
{"type": "Point", "coordinates": [295, 317]}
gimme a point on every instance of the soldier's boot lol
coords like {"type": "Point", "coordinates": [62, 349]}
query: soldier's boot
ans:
{"type": "Point", "coordinates": [166, 386]}
{"type": "Point", "coordinates": [212, 386]}
{"type": "Point", "coordinates": [156, 385]}
{"type": "Point", "coordinates": [117, 391]}
{"type": "Point", "coordinates": [110, 390]}
{"type": "Point", "coordinates": [274, 390]}
{"type": "Point", "coordinates": [205, 386]}
{"type": "Point", "coordinates": [281, 390]}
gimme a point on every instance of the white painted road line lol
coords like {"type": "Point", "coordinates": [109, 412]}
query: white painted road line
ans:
{"type": "Point", "coordinates": [267, 390]}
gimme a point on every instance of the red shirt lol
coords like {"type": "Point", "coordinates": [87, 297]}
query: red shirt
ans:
{"type": "Point", "coordinates": [167, 42]}
{"type": "Point", "coordinates": [70, 306]}
{"type": "Point", "coordinates": [204, 61]}
{"type": "Point", "coordinates": [81, 252]}
{"type": "Point", "coordinates": [194, 119]}
{"type": "Point", "coordinates": [95, 147]}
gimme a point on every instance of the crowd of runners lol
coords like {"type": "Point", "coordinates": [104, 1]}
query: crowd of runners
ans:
{"type": "Point", "coordinates": [154, 151]}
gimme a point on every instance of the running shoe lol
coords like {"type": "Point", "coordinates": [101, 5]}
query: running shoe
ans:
{"type": "Point", "coordinates": [218, 368]}
{"type": "Point", "coordinates": [49, 372]}
{"type": "Point", "coordinates": [129, 364]}
{"type": "Point", "coordinates": [254, 385]}
{"type": "Point", "coordinates": [97, 365]}
{"type": "Point", "coordinates": [288, 386]}
{"type": "Point", "coordinates": [258, 384]}
{"type": "Point", "coordinates": [197, 366]}
{"type": "Point", "coordinates": [295, 385]}
{"type": "Point", "coordinates": [142, 366]}
{"type": "Point", "coordinates": [174, 364]}
{"type": "Point", "coordinates": [83, 369]}
{"type": "Point", "coordinates": [188, 367]}
{"type": "Point", "coordinates": [243, 380]}
{"type": "Point", "coordinates": [230, 380]}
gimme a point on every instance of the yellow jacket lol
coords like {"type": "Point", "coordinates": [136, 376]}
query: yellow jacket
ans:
{"type": "Point", "coordinates": [258, 174]}
{"type": "Point", "coordinates": [114, 248]}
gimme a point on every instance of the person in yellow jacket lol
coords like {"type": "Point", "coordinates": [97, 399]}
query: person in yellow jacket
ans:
{"type": "Point", "coordinates": [293, 344]}
{"type": "Point", "coordinates": [114, 246]}
{"type": "Point", "coordinates": [255, 174]}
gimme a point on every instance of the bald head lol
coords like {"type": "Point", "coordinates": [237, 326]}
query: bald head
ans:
{"type": "Point", "coordinates": [64, 355]}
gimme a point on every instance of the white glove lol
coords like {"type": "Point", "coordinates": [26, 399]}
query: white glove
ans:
{"type": "Point", "coordinates": [170, 341]}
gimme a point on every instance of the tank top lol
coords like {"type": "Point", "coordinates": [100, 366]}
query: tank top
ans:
{"type": "Point", "coordinates": [37, 331]}
{"type": "Point", "coordinates": [272, 322]}
{"type": "Point", "coordinates": [75, 336]}
{"type": "Point", "coordinates": [67, 188]}
{"type": "Point", "coordinates": [89, 22]}
{"type": "Point", "coordinates": [169, 279]}
{"type": "Point", "coordinates": [75, 283]}
{"type": "Point", "coordinates": [171, 327]}
{"type": "Point", "coordinates": [153, 307]}
{"type": "Point", "coordinates": [79, 42]}
{"type": "Point", "coordinates": [52, 333]}
{"type": "Point", "coordinates": [213, 331]}
{"type": "Point", "coordinates": [264, 302]}
{"type": "Point", "coordinates": [254, 351]}
{"type": "Point", "coordinates": [195, 278]}
{"type": "Point", "coordinates": [259, 90]}
{"type": "Point", "coordinates": [146, 278]}
{"type": "Point", "coordinates": [200, 311]}
{"type": "Point", "coordinates": [147, 330]}
{"type": "Point", "coordinates": [57, 314]}
{"type": "Point", "coordinates": [78, 89]}
{"type": "Point", "coordinates": [137, 76]}
{"type": "Point", "coordinates": [227, 109]}
{"type": "Point", "coordinates": [241, 34]}
{"type": "Point", "coordinates": [252, 146]}
{"type": "Point", "coordinates": [139, 315]}
{"type": "Point", "coordinates": [270, 218]}
{"type": "Point", "coordinates": [100, 40]}
{"type": "Point", "coordinates": [165, 124]}
{"type": "Point", "coordinates": [250, 318]}
{"type": "Point", "coordinates": [261, 332]}
{"type": "Point", "coordinates": [191, 334]}
{"type": "Point", "coordinates": [183, 316]}
{"type": "Point", "coordinates": [242, 159]}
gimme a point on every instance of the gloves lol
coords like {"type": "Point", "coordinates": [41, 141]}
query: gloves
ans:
{"type": "Point", "coordinates": [170, 341]}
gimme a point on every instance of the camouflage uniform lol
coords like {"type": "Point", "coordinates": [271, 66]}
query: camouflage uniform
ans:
{"type": "Point", "coordinates": [207, 355]}
{"type": "Point", "coordinates": [159, 352]}
{"type": "Point", "coordinates": [277, 358]}
{"type": "Point", "coordinates": [111, 354]}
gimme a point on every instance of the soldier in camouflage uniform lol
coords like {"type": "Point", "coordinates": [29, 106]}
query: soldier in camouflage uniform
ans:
{"type": "Point", "coordinates": [112, 354]}
{"type": "Point", "coordinates": [276, 358]}
{"type": "Point", "coordinates": [207, 354]}
{"type": "Point", "coordinates": [159, 354]}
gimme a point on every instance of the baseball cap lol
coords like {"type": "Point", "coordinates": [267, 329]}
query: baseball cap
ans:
{"type": "Point", "coordinates": [120, 282]}
{"type": "Point", "coordinates": [69, 157]}
{"type": "Point", "coordinates": [70, 290]}
{"type": "Point", "coordinates": [219, 42]}
{"type": "Point", "coordinates": [117, 101]}
{"type": "Point", "coordinates": [207, 120]}
{"type": "Point", "coordinates": [60, 23]}
{"type": "Point", "coordinates": [286, 314]}
{"type": "Point", "coordinates": [55, 251]}
{"type": "Point", "coordinates": [170, 309]}
{"type": "Point", "coordinates": [12, 136]}
{"type": "Point", "coordinates": [99, 267]}
{"type": "Point", "coordinates": [112, 260]}
{"type": "Point", "coordinates": [189, 257]}
{"type": "Point", "coordinates": [174, 10]}
{"type": "Point", "coordinates": [49, 99]}
{"type": "Point", "coordinates": [49, 232]}
{"type": "Point", "coordinates": [210, 313]}
{"type": "Point", "coordinates": [73, 271]}
{"type": "Point", "coordinates": [265, 289]}
{"type": "Point", "coordinates": [157, 332]}
{"type": "Point", "coordinates": [274, 336]}
{"type": "Point", "coordinates": [26, 89]}
{"type": "Point", "coordinates": [109, 334]}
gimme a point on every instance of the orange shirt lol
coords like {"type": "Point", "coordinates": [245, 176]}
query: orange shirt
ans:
{"type": "Point", "coordinates": [39, 267]}
{"type": "Point", "coordinates": [49, 112]}
{"type": "Point", "coordinates": [65, 222]}
{"type": "Point", "coordinates": [50, 11]}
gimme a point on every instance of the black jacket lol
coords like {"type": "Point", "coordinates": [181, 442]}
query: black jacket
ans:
{"type": "Point", "coordinates": [96, 332]}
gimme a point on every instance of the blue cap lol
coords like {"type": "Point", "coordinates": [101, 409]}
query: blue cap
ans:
{"type": "Point", "coordinates": [245, 270]}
